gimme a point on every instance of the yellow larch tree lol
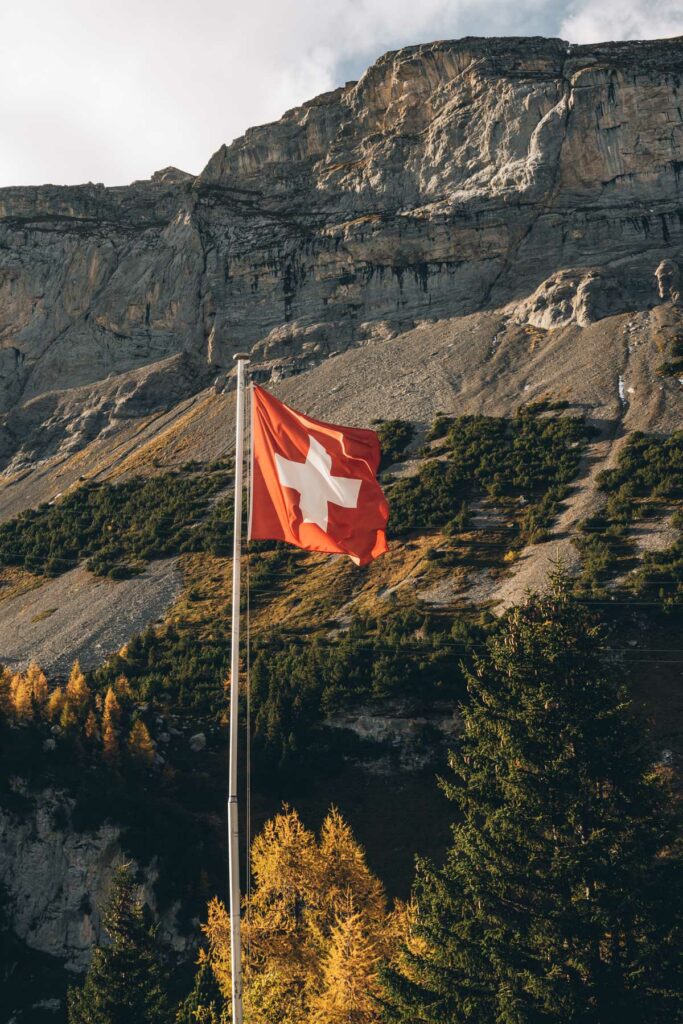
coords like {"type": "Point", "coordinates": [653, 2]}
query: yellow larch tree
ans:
{"type": "Point", "coordinates": [22, 698]}
{"type": "Point", "coordinates": [55, 704]}
{"type": "Point", "coordinates": [309, 899]}
{"type": "Point", "coordinates": [78, 694]}
{"type": "Point", "coordinates": [6, 706]}
{"type": "Point", "coordinates": [345, 874]}
{"type": "Point", "coordinates": [122, 688]}
{"type": "Point", "coordinates": [350, 987]}
{"type": "Point", "coordinates": [111, 717]}
{"type": "Point", "coordinates": [40, 691]}
{"type": "Point", "coordinates": [140, 744]}
{"type": "Point", "coordinates": [68, 718]}
{"type": "Point", "coordinates": [91, 728]}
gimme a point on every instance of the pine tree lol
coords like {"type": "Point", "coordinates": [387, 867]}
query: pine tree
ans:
{"type": "Point", "coordinates": [205, 1003]}
{"type": "Point", "coordinates": [127, 980]}
{"type": "Point", "coordinates": [111, 717]}
{"type": "Point", "coordinates": [140, 744]}
{"type": "Point", "coordinates": [557, 902]}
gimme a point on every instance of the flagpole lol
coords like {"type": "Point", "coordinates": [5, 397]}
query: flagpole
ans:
{"type": "Point", "coordinates": [233, 816]}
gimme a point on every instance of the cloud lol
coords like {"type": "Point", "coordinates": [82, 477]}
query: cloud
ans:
{"type": "Point", "coordinates": [588, 22]}
{"type": "Point", "coordinates": [110, 92]}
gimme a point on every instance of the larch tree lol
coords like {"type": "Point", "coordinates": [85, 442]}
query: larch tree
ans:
{"type": "Point", "coordinates": [78, 694]}
{"type": "Point", "coordinates": [91, 728]}
{"type": "Point", "coordinates": [111, 717]}
{"type": "Point", "coordinates": [55, 704]}
{"type": "Point", "coordinates": [6, 705]}
{"type": "Point", "coordinates": [305, 891]}
{"type": "Point", "coordinates": [40, 691]}
{"type": "Point", "coordinates": [140, 744]}
{"type": "Point", "coordinates": [349, 987]}
{"type": "Point", "coordinates": [22, 697]}
{"type": "Point", "coordinates": [560, 899]}
{"type": "Point", "coordinates": [122, 688]}
{"type": "Point", "coordinates": [127, 981]}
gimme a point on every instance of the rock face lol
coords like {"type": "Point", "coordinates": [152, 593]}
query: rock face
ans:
{"type": "Point", "coordinates": [453, 177]}
{"type": "Point", "coordinates": [55, 878]}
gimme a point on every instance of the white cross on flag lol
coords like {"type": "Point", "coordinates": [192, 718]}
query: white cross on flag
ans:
{"type": "Point", "coordinates": [315, 484]}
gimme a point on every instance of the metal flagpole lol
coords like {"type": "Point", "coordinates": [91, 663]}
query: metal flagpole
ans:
{"type": "Point", "coordinates": [233, 816]}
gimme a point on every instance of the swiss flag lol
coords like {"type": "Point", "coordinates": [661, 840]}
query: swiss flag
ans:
{"type": "Point", "coordinates": [315, 484]}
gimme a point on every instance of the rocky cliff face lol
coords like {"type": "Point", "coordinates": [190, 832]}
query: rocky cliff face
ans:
{"type": "Point", "coordinates": [55, 879]}
{"type": "Point", "coordinates": [453, 177]}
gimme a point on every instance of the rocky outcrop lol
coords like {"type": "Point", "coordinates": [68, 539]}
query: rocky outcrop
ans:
{"type": "Point", "coordinates": [55, 878]}
{"type": "Point", "coordinates": [453, 177]}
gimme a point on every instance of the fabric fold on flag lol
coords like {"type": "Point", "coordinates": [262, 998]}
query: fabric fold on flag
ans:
{"type": "Point", "coordinates": [314, 484]}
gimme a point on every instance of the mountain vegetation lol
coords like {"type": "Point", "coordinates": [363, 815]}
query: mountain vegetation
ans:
{"type": "Point", "coordinates": [317, 926]}
{"type": "Point", "coordinates": [128, 979]}
{"type": "Point", "coordinates": [560, 898]}
{"type": "Point", "coordinates": [117, 528]}
{"type": "Point", "coordinates": [558, 902]}
{"type": "Point", "coordinates": [646, 484]}
{"type": "Point", "coordinates": [527, 461]}
{"type": "Point", "coordinates": [478, 247]}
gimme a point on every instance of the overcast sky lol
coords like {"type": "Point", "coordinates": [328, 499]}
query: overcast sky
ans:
{"type": "Point", "coordinates": [95, 91]}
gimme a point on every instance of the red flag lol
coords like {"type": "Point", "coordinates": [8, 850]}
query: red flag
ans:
{"type": "Point", "coordinates": [315, 484]}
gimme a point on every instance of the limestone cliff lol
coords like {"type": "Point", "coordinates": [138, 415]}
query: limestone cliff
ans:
{"type": "Point", "coordinates": [453, 177]}
{"type": "Point", "coordinates": [55, 879]}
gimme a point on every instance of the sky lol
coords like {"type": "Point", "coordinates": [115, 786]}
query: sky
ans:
{"type": "Point", "coordinates": [112, 91]}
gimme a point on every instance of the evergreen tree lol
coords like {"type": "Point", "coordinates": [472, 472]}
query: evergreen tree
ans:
{"type": "Point", "coordinates": [126, 981]}
{"type": "Point", "coordinates": [205, 1004]}
{"type": "Point", "coordinates": [558, 900]}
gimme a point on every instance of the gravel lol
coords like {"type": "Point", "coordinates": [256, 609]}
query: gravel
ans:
{"type": "Point", "coordinates": [82, 616]}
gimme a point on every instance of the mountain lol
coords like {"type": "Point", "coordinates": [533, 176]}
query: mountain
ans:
{"type": "Point", "coordinates": [474, 227]}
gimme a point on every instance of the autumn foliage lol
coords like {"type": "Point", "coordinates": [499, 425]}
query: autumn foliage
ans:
{"type": "Point", "coordinates": [109, 727]}
{"type": "Point", "coordinates": [315, 929]}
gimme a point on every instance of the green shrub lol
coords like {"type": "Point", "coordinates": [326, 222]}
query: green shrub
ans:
{"type": "Point", "coordinates": [529, 456]}
{"type": "Point", "coordinates": [394, 438]}
{"type": "Point", "coordinates": [116, 528]}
